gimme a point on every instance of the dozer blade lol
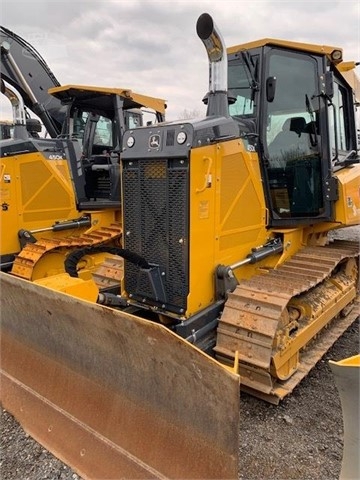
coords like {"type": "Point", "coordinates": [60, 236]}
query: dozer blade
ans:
{"type": "Point", "coordinates": [112, 395]}
{"type": "Point", "coordinates": [346, 373]}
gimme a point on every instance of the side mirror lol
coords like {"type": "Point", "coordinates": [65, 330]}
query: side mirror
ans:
{"type": "Point", "coordinates": [270, 88]}
{"type": "Point", "coordinates": [329, 84]}
{"type": "Point", "coordinates": [33, 125]}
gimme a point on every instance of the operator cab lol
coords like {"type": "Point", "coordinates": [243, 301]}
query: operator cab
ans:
{"type": "Point", "coordinates": [98, 117]}
{"type": "Point", "coordinates": [303, 112]}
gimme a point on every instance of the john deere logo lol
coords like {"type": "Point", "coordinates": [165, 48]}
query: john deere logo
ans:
{"type": "Point", "coordinates": [154, 141]}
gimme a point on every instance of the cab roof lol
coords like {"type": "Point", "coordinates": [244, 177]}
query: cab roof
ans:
{"type": "Point", "coordinates": [347, 69]}
{"type": "Point", "coordinates": [305, 47]}
{"type": "Point", "coordinates": [97, 96]}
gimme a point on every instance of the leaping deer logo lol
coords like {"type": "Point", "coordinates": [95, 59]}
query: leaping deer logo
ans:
{"type": "Point", "coordinates": [154, 141]}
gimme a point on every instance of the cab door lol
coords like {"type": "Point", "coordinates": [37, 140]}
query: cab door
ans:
{"type": "Point", "coordinates": [295, 138]}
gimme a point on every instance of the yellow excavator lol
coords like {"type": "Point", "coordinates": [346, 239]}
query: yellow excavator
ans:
{"type": "Point", "coordinates": [229, 278]}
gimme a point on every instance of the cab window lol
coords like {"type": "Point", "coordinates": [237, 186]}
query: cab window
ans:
{"type": "Point", "coordinates": [241, 87]}
{"type": "Point", "coordinates": [340, 138]}
{"type": "Point", "coordinates": [103, 132]}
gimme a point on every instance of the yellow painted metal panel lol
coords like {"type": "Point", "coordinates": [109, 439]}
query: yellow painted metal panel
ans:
{"type": "Point", "coordinates": [347, 208]}
{"type": "Point", "coordinates": [227, 214]}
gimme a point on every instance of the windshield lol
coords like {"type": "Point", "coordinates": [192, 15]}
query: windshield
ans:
{"type": "Point", "coordinates": [133, 118]}
{"type": "Point", "coordinates": [137, 117]}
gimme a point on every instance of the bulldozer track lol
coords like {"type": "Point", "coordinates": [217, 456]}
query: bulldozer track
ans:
{"type": "Point", "coordinates": [109, 273]}
{"type": "Point", "coordinates": [26, 261]}
{"type": "Point", "coordinates": [271, 319]}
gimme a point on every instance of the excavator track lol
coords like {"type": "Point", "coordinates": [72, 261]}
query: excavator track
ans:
{"type": "Point", "coordinates": [57, 249]}
{"type": "Point", "coordinates": [278, 322]}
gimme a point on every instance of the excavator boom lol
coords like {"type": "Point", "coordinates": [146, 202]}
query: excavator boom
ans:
{"type": "Point", "coordinates": [25, 69]}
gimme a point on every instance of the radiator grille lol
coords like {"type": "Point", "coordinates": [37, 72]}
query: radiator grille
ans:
{"type": "Point", "coordinates": [156, 225]}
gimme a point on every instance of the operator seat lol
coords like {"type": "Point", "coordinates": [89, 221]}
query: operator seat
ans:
{"type": "Point", "coordinates": [292, 141]}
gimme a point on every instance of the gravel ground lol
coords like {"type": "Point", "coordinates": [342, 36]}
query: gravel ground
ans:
{"type": "Point", "coordinates": [301, 439]}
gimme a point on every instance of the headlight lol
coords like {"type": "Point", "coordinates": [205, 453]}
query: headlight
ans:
{"type": "Point", "coordinates": [130, 142]}
{"type": "Point", "coordinates": [181, 138]}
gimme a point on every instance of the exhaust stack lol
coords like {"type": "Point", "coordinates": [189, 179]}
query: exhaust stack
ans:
{"type": "Point", "coordinates": [215, 47]}
{"type": "Point", "coordinates": [18, 110]}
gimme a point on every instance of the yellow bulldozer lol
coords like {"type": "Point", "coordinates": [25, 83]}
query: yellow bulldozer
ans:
{"type": "Point", "coordinates": [62, 192]}
{"type": "Point", "coordinates": [229, 279]}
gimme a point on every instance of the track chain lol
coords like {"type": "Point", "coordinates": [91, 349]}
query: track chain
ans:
{"type": "Point", "coordinates": [27, 260]}
{"type": "Point", "coordinates": [257, 324]}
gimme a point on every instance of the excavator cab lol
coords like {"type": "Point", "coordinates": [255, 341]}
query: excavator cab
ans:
{"type": "Point", "coordinates": [296, 101]}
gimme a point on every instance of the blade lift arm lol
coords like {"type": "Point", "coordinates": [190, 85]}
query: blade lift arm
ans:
{"type": "Point", "coordinates": [225, 279]}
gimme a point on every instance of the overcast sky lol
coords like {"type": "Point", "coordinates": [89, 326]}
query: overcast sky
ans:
{"type": "Point", "coordinates": [152, 48]}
